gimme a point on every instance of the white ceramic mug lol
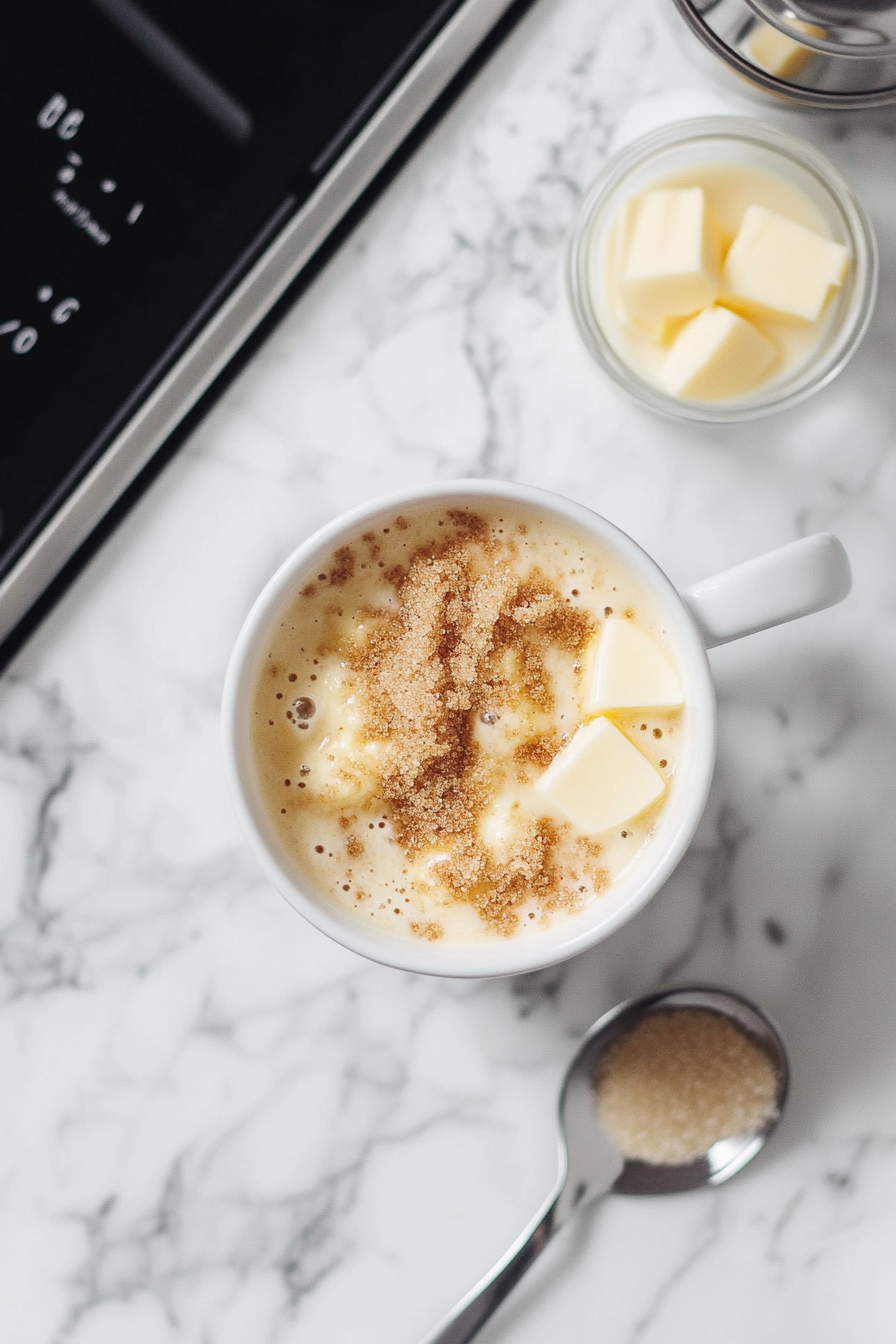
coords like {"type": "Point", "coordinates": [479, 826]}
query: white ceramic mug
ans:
{"type": "Point", "coordinates": [803, 577]}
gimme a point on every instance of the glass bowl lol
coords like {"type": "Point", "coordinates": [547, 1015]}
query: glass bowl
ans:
{"type": "Point", "coordinates": [673, 152]}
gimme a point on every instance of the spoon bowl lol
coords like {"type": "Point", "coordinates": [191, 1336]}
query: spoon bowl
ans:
{"type": "Point", "coordinates": [725, 1158]}
{"type": "Point", "coordinates": [590, 1166]}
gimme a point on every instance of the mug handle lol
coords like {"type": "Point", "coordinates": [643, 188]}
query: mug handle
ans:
{"type": "Point", "coordinates": [806, 576]}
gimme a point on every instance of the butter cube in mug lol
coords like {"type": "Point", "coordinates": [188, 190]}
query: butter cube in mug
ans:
{"type": "Point", "coordinates": [600, 779]}
{"type": "Point", "coordinates": [667, 257]}
{"type": "Point", "coordinates": [778, 268]}
{"type": "Point", "coordinates": [716, 356]}
{"type": "Point", "coordinates": [631, 671]}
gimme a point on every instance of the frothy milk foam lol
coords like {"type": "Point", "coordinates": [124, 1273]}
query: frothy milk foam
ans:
{"type": "Point", "coordinates": [417, 688]}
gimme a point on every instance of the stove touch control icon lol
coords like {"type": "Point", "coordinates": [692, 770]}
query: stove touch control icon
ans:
{"type": "Point", "coordinates": [56, 113]}
{"type": "Point", "coordinates": [63, 310]}
{"type": "Point", "coordinates": [24, 337]}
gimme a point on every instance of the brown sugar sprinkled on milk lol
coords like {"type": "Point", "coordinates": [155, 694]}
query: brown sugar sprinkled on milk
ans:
{"type": "Point", "coordinates": [465, 637]}
{"type": "Point", "coordinates": [680, 1080]}
{"type": "Point", "coordinates": [432, 675]}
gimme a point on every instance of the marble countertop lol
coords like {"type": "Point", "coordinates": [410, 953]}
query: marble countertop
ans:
{"type": "Point", "coordinates": [217, 1126]}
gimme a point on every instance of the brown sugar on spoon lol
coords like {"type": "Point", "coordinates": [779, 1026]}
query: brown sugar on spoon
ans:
{"type": "Point", "coordinates": [680, 1080]}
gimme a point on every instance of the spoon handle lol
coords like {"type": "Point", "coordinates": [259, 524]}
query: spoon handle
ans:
{"type": "Point", "coordinates": [471, 1313]}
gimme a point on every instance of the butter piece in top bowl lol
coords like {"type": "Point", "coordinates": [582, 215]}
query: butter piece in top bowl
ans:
{"type": "Point", "coordinates": [717, 355]}
{"type": "Point", "coordinates": [777, 268]}
{"type": "Point", "coordinates": [668, 258]}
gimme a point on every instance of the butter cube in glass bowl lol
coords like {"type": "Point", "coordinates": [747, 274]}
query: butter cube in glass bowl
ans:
{"type": "Point", "coordinates": [667, 258]}
{"type": "Point", "coordinates": [780, 269]}
{"type": "Point", "coordinates": [796, 284]}
{"type": "Point", "coordinates": [717, 356]}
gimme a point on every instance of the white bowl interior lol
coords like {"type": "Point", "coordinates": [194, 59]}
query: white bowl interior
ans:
{"type": "Point", "coordinates": [495, 955]}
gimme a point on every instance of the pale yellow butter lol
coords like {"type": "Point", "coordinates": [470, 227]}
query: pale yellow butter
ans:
{"type": "Point", "coordinates": [600, 780]}
{"type": "Point", "coordinates": [717, 355]}
{"type": "Point", "coordinates": [667, 257]}
{"type": "Point", "coordinates": [778, 268]}
{"type": "Point", "coordinates": [778, 54]}
{"type": "Point", "coordinates": [631, 672]}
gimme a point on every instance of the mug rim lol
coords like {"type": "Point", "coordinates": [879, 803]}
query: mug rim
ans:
{"type": "Point", "coordinates": [498, 955]}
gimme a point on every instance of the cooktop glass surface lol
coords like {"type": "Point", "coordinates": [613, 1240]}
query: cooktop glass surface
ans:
{"type": "Point", "coordinates": [150, 153]}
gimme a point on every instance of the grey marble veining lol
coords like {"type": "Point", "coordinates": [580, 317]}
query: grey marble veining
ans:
{"type": "Point", "coordinates": [216, 1125]}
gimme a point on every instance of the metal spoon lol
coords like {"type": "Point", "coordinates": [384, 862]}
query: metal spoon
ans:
{"type": "Point", "coordinates": [591, 1167]}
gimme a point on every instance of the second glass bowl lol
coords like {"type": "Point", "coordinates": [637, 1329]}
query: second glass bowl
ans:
{"type": "Point", "coordinates": [700, 143]}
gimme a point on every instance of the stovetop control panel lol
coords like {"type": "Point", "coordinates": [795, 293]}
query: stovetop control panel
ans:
{"type": "Point", "coordinates": [149, 153]}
